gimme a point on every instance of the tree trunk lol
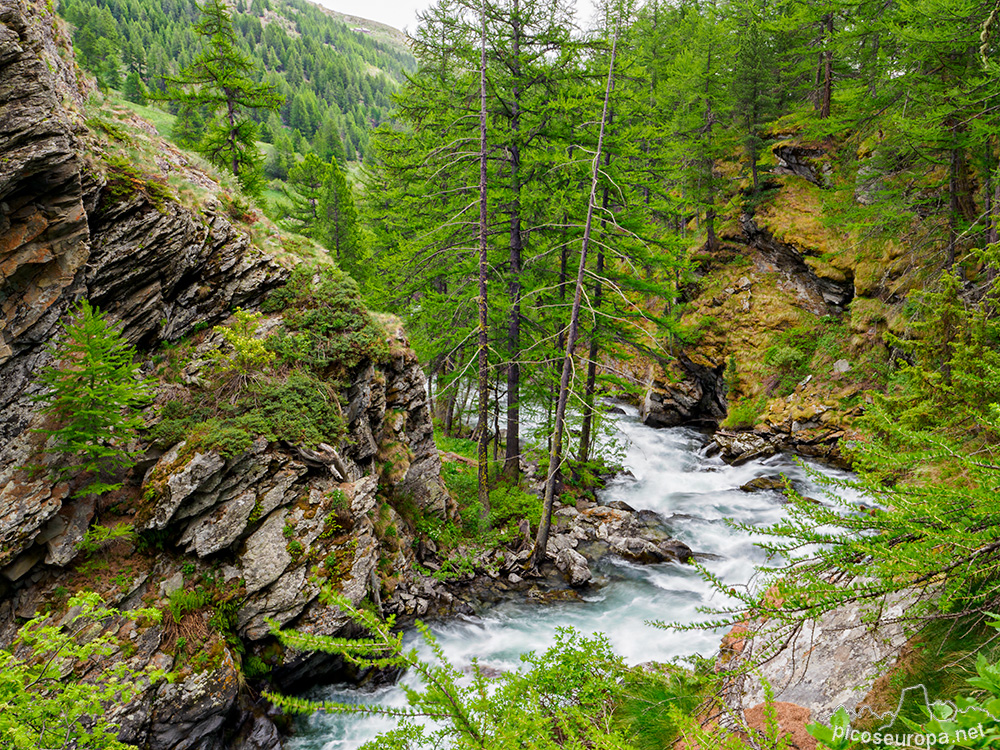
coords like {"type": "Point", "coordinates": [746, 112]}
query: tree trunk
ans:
{"type": "Point", "coordinates": [484, 384]}
{"type": "Point", "coordinates": [827, 55]}
{"type": "Point", "coordinates": [512, 457]}
{"type": "Point", "coordinates": [538, 554]}
{"type": "Point", "coordinates": [589, 413]}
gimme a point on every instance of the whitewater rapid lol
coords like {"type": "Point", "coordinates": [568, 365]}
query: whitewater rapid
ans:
{"type": "Point", "coordinates": [696, 495]}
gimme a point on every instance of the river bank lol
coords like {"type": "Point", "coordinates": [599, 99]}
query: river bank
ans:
{"type": "Point", "coordinates": [693, 494]}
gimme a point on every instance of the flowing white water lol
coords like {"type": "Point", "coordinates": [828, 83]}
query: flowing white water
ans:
{"type": "Point", "coordinates": [694, 494]}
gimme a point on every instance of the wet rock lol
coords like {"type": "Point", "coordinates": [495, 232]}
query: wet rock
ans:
{"type": "Point", "coordinates": [259, 733]}
{"type": "Point", "coordinates": [621, 505]}
{"type": "Point", "coordinates": [824, 294]}
{"type": "Point", "coordinates": [27, 504]}
{"type": "Point", "coordinates": [738, 448]}
{"type": "Point", "coordinates": [696, 395]}
{"type": "Point", "coordinates": [639, 536]}
{"type": "Point", "coordinates": [762, 484]}
{"type": "Point", "coordinates": [574, 566]}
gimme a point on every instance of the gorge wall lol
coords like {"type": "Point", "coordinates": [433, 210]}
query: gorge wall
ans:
{"type": "Point", "coordinates": [219, 540]}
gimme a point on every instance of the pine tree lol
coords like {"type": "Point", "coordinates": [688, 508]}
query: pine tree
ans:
{"type": "Point", "coordinates": [304, 190]}
{"type": "Point", "coordinates": [340, 233]}
{"type": "Point", "coordinates": [134, 89]}
{"type": "Point", "coordinates": [94, 388]}
{"type": "Point", "coordinates": [220, 79]}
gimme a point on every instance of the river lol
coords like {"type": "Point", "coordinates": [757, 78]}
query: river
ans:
{"type": "Point", "coordinates": [694, 494]}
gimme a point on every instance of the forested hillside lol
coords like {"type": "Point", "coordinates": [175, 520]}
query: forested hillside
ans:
{"type": "Point", "coordinates": [336, 81]}
{"type": "Point", "coordinates": [355, 328]}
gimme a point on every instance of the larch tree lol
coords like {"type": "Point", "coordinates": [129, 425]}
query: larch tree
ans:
{"type": "Point", "coordinates": [220, 79]}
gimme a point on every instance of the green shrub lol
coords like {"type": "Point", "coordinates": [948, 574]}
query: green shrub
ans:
{"type": "Point", "coordinates": [654, 701]}
{"type": "Point", "coordinates": [327, 326]}
{"type": "Point", "coordinates": [124, 181]}
{"type": "Point", "coordinates": [302, 410]}
{"type": "Point", "coordinates": [511, 503]}
{"type": "Point", "coordinates": [182, 601]}
{"type": "Point", "coordinates": [789, 356]}
{"type": "Point", "coordinates": [227, 440]}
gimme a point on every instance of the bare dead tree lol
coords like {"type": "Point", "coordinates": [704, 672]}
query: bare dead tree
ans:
{"type": "Point", "coordinates": [555, 454]}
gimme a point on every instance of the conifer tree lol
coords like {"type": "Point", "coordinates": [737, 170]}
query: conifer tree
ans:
{"type": "Point", "coordinates": [94, 388]}
{"type": "Point", "coordinates": [340, 232]}
{"type": "Point", "coordinates": [304, 190]}
{"type": "Point", "coordinates": [220, 79]}
{"type": "Point", "coordinates": [134, 89]}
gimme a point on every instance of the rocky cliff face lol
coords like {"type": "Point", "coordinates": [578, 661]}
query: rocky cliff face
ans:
{"type": "Point", "coordinates": [65, 235]}
{"type": "Point", "coordinates": [781, 322]}
{"type": "Point", "coordinates": [220, 540]}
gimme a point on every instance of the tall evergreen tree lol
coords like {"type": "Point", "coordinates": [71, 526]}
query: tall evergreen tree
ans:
{"type": "Point", "coordinates": [220, 79]}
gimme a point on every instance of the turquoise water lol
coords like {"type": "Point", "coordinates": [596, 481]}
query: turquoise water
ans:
{"type": "Point", "coordinates": [694, 494]}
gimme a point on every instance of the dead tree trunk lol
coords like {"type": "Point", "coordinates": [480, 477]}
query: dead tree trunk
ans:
{"type": "Point", "coordinates": [538, 554]}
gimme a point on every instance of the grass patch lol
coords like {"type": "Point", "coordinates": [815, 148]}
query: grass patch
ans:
{"type": "Point", "coordinates": [744, 414]}
{"type": "Point", "coordinates": [162, 120]}
{"type": "Point", "coordinates": [653, 702]}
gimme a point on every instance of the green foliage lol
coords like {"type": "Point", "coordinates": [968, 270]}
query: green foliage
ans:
{"type": "Point", "coordinates": [565, 695]}
{"type": "Point", "coordinates": [249, 357]}
{"type": "Point", "coordinates": [653, 703]}
{"type": "Point", "coordinates": [509, 503]}
{"type": "Point", "coordinates": [94, 388]}
{"type": "Point", "coordinates": [182, 601]}
{"type": "Point", "coordinates": [41, 706]}
{"type": "Point", "coordinates": [301, 409]}
{"type": "Point", "coordinates": [461, 446]}
{"type": "Point", "coordinates": [99, 537]}
{"type": "Point", "coordinates": [254, 667]}
{"type": "Point", "coordinates": [327, 326]}
{"type": "Point", "coordinates": [134, 89]}
{"type": "Point", "coordinates": [950, 373]}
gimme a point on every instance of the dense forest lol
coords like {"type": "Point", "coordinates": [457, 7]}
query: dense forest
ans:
{"type": "Point", "coordinates": [773, 225]}
{"type": "Point", "coordinates": [336, 83]}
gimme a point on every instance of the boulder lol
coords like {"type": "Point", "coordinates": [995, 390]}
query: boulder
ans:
{"type": "Point", "coordinates": [573, 565]}
{"type": "Point", "coordinates": [826, 664]}
{"type": "Point", "coordinates": [764, 484]}
{"type": "Point", "coordinates": [738, 448]}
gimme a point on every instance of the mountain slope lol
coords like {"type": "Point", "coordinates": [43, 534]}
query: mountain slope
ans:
{"type": "Point", "coordinates": [337, 73]}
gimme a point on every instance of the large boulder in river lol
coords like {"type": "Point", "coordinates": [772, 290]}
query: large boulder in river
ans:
{"type": "Point", "coordinates": [639, 536]}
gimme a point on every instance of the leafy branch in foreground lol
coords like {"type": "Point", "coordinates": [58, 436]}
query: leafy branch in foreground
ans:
{"type": "Point", "coordinates": [42, 705]}
{"type": "Point", "coordinates": [565, 697]}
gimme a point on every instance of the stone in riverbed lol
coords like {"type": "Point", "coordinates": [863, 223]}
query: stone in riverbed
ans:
{"type": "Point", "coordinates": [761, 484]}
{"type": "Point", "coordinates": [574, 566]}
